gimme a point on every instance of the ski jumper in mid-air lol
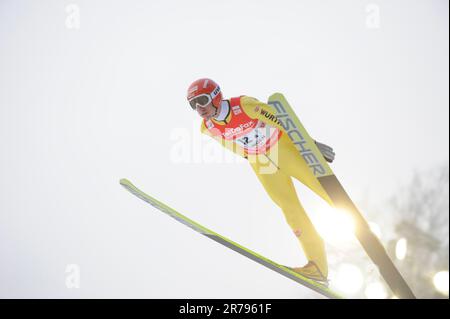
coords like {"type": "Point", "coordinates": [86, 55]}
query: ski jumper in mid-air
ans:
{"type": "Point", "coordinates": [250, 128]}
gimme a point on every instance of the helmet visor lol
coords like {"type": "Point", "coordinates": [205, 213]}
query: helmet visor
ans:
{"type": "Point", "coordinates": [200, 100]}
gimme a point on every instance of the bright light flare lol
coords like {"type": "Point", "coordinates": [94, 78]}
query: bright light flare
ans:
{"type": "Point", "coordinates": [349, 279]}
{"type": "Point", "coordinates": [401, 248]}
{"type": "Point", "coordinates": [376, 290]}
{"type": "Point", "coordinates": [334, 225]}
{"type": "Point", "coordinates": [440, 281]}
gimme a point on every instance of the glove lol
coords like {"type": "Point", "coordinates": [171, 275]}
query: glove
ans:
{"type": "Point", "coordinates": [326, 151]}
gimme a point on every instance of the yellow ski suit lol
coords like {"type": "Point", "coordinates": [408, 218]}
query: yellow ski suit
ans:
{"type": "Point", "coordinates": [274, 164]}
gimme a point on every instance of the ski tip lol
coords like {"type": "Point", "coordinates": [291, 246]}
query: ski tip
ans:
{"type": "Point", "coordinates": [124, 181]}
{"type": "Point", "coordinates": [276, 94]}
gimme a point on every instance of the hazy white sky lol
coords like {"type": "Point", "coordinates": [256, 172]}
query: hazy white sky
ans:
{"type": "Point", "coordinates": [81, 108]}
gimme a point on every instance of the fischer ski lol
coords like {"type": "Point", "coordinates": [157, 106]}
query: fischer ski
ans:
{"type": "Point", "coordinates": [283, 270]}
{"type": "Point", "coordinates": [335, 191]}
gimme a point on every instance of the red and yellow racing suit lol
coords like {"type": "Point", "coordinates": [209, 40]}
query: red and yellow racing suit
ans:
{"type": "Point", "coordinates": [251, 129]}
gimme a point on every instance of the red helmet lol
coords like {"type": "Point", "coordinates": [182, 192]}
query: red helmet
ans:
{"type": "Point", "coordinates": [202, 91]}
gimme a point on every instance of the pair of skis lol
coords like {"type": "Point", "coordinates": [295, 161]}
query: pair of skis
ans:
{"type": "Point", "coordinates": [318, 165]}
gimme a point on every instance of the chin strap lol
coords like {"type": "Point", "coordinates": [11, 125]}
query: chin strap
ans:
{"type": "Point", "coordinates": [326, 151]}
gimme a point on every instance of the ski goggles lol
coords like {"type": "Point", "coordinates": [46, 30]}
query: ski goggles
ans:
{"type": "Point", "coordinates": [201, 100]}
{"type": "Point", "coordinates": [204, 99]}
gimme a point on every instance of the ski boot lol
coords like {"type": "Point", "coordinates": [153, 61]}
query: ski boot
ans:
{"type": "Point", "coordinates": [311, 271]}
